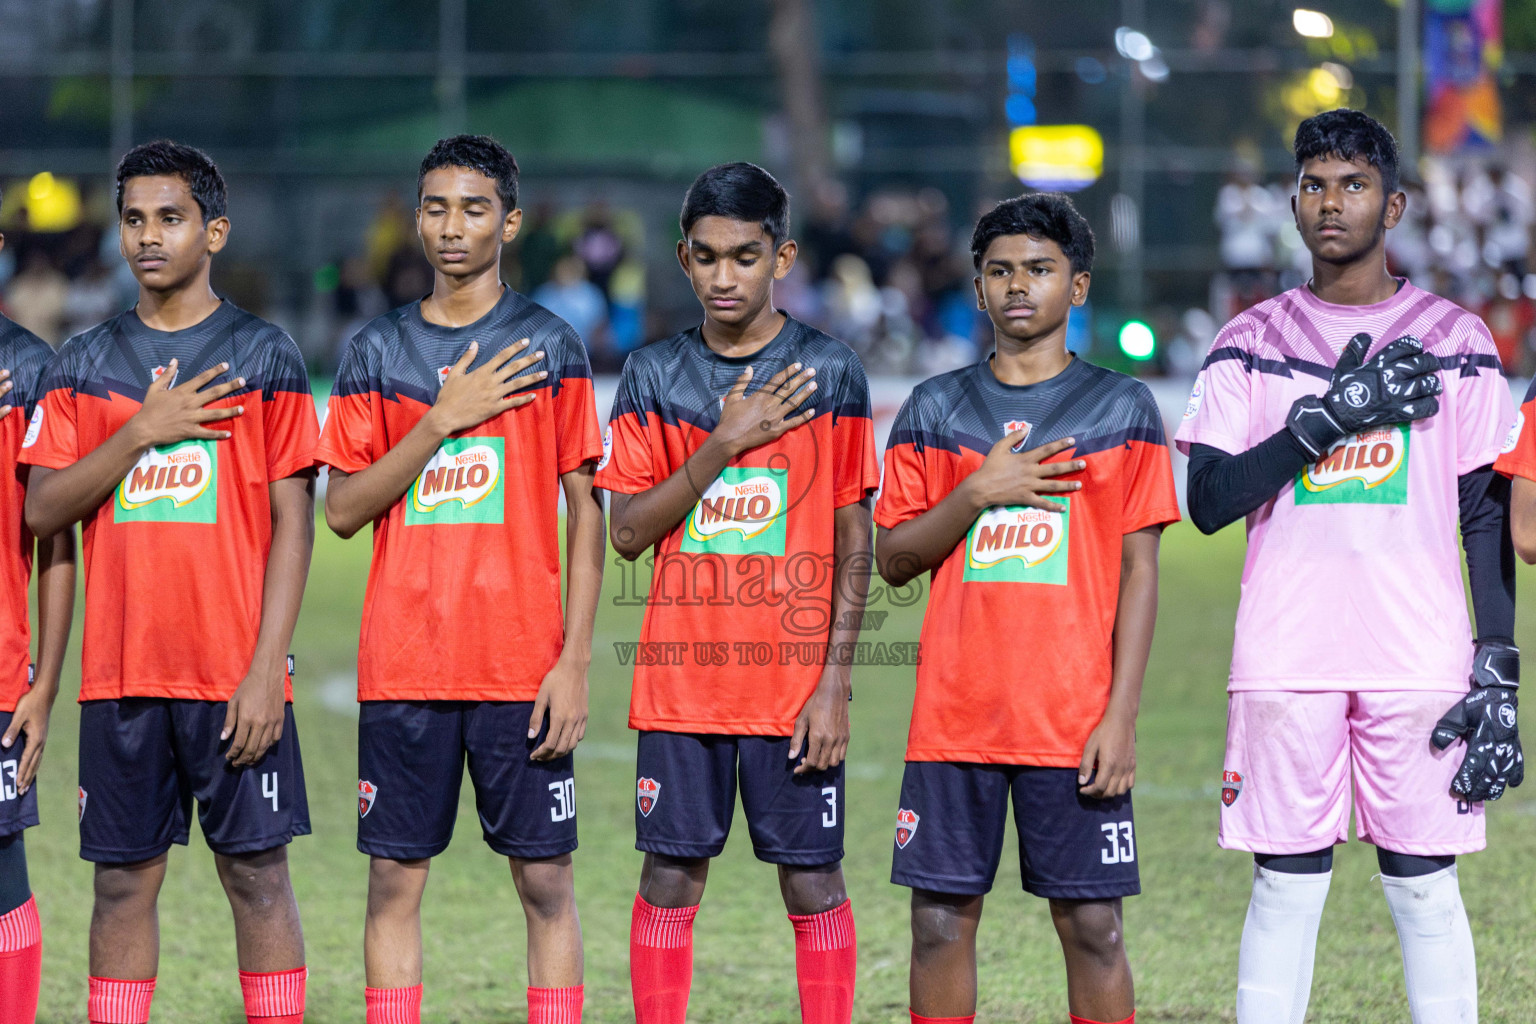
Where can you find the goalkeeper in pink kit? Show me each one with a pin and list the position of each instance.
(1355, 422)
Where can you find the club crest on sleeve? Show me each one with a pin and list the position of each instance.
(1196, 397)
(647, 792)
(607, 447)
(906, 827)
(366, 793)
(81, 812)
(1231, 787)
(34, 428)
(1513, 437)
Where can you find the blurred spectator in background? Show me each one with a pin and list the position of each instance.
(90, 298)
(576, 300)
(1248, 220)
(536, 249)
(37, 295)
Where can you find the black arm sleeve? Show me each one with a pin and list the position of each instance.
(1484, 498)
(1223, 488)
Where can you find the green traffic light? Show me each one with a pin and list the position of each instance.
(1137, 340)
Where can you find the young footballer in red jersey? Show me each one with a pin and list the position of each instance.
(1034, 487)
(743, 452)
(1354, 422)
(182, 434)
(455, 422)
(27, 689)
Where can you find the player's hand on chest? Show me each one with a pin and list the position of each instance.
(177, 407)
(508, 379)
(752, 416)
(1025, 478)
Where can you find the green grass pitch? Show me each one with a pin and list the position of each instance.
(1182, 933)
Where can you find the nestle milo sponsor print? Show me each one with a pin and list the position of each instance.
(462, 483)
(1019, 544)
(1368, 468)
(741, 513)
(175, 483)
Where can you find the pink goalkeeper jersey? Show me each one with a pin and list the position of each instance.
(1353, 574)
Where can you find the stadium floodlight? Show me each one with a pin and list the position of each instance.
(1134, 45)
(1312, 24)
(1056, 157)
(1137, 340)
(53, 203)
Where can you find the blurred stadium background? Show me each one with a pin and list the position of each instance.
(893, 124)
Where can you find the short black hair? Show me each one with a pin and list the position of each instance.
(1047, 215)
(193, 166)
(479, 153)
(1349, 135)
(738, 191)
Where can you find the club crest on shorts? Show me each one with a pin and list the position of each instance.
(1231, 786)
(366, 793)
(83, 795)
(906, 827)
(647, 792)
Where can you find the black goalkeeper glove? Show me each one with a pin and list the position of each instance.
(1485, 718)
(1397, 385)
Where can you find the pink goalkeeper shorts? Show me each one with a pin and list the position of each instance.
(1290, 758)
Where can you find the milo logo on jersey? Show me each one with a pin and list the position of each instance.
(742, 513)
(1018, 544)
(1368, 468)
(462, 483)
(175, 483)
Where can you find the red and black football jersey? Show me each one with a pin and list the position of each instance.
(463, 598)
(25, 355)
(176, 558)
(741, 590)
(1018, 637)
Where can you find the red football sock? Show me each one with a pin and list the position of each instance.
(393, 1005)
(21, 963)
(661, 962)
(1084, 1020)
(918, 1018)
(826, 961)
(113, 1001)
(554, 1005)
(274, 998)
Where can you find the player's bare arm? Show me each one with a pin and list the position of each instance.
(1005, 477)
(254, 719)
(1522, 518)
(467, 399)
(563, 694)
(57, 498)
(55, 609)
(822, 728)
(1111, 747)
(746, 421)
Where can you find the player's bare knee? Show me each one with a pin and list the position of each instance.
(812, 890)
(673, 881)
(395, 886)
(126, 886)
(256, 880)
(1090, 929)
(939, 922)
(547, 887)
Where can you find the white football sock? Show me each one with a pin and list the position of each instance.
(1438, 961)
(1274, 965)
